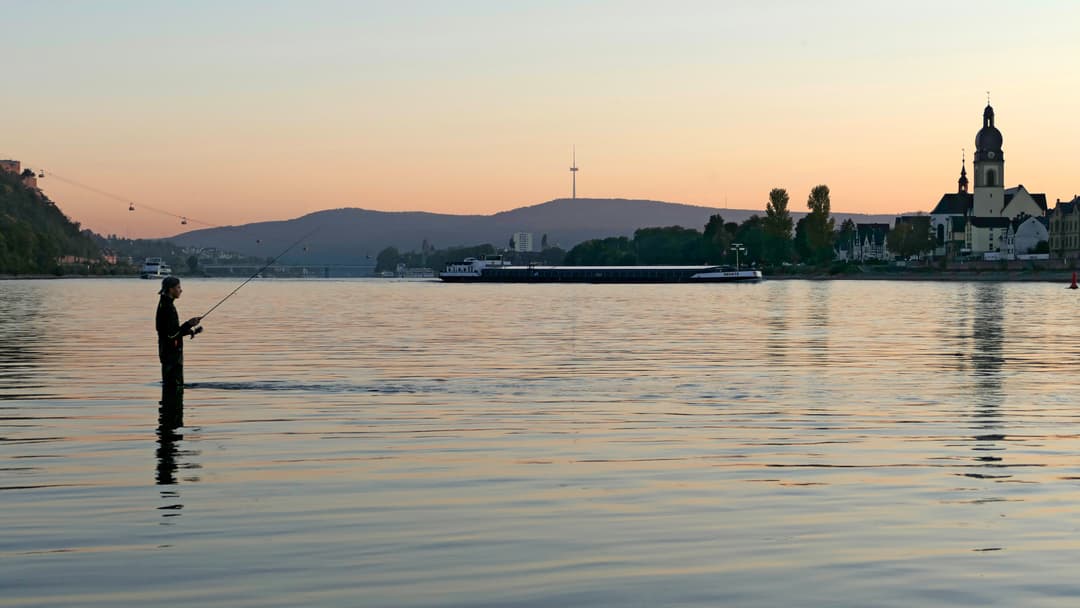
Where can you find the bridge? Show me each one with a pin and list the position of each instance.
(309, 271)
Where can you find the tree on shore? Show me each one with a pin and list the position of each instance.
(612, 251)
(818, 226)
(911, 236)
(847, 235)
(718, 239)
(670, 245)
(752, 235)
(387, 259)
(777, 226)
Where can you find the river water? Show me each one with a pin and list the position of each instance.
(397, 443)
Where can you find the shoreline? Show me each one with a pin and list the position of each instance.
(1063, 276)
(48, 277)
(940, 277)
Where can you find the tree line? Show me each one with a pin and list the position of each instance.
(770, 240)
(35, 234)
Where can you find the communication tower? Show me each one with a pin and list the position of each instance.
(573, 174)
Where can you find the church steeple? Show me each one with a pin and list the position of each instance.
(988, 140)
(962, 183)
(988, 169)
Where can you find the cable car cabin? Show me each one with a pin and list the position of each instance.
(183, 221)
(131, 206)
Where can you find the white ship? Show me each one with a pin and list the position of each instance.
(154, 268)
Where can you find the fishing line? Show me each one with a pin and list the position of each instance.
(259, 271)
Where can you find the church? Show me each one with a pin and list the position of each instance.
(993, 219)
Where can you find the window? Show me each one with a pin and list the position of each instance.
(941, 234)
(991, 177)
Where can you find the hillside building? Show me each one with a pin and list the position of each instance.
(29, 178)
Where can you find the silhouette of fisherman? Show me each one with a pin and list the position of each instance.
(171, 341)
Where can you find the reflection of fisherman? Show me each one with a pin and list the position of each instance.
(170, 419)
(171, 340)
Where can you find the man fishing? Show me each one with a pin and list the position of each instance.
(171, 340)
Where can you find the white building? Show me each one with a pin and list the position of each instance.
(1025, 233)
(523, 241)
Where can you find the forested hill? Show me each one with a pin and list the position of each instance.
(34, 233)
(346, 235)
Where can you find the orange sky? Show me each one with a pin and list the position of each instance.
(252, 111)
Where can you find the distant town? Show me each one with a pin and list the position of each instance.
(979, 225)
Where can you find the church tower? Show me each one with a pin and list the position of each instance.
(962, 183)
(989, 168)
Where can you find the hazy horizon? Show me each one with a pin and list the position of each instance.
(246, 112)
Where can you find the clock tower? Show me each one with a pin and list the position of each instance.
(989, 168)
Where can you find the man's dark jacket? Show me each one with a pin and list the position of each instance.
(170, 332)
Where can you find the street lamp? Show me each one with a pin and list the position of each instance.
(737, 247)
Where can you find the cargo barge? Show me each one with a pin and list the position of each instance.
(493, 269)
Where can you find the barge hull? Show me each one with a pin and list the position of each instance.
(592, 275)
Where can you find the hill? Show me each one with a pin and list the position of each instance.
(34, 233)
(346, 235)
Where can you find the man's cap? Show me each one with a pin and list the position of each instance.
(168, 283)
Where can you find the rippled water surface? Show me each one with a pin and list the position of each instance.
(385, 443)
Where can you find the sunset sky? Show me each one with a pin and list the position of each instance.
(234, 112)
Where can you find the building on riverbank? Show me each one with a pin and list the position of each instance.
(1065, 229)
(989, 219)
(869, 242)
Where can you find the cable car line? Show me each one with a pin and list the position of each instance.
(184, 220)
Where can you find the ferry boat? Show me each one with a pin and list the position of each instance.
(153, 268)
(494, 269)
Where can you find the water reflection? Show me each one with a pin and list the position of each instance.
(20, 339)
(988, 333)
(481, 461)
(170, 419)
(169, 439)
(777, 336)
(987, 359)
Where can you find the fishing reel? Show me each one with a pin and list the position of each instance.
(196, 331)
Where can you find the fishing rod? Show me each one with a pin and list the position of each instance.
(257, 273)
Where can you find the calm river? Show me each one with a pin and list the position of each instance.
(394, 443)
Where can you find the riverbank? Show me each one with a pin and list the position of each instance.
(1059, 276)
(41, 277)
(1050, 276)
